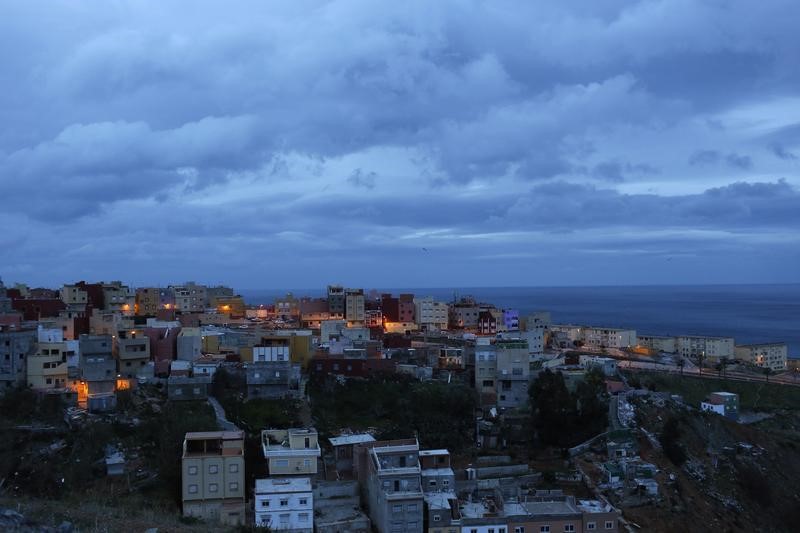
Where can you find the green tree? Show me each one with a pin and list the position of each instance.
(553, 409)
(670, 441)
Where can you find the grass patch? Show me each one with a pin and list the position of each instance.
(397, 406)
(752, 396)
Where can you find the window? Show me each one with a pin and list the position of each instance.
(213, 487)
(233, 485)
(569, 528)
(192, 470)
(411, 526)
(491, 530)
(303, 517)
(519, 529)
(307, 463)
(284, 517)
(591, 526)
(609, 525)
(285, 502)
(303, 501)
(282, 462)
(432, 483)
(544, 529)
(213, 469)
(192, 489)
(234, 468)
(397, 508)
(411, 508)
(264, 503)
(436, 518)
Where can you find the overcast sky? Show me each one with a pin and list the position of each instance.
(448, 143)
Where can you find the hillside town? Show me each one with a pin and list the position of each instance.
(363, 411)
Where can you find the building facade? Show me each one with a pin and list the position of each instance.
(771, 355)
(212, 476)
(284, 504)
(291, 452)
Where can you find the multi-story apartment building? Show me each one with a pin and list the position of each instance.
(486, 373)
(511, 319)
(16, 345)
(47, 367)
(98, 372)
(405, 308)
(230, 305)
(710, 349)
(291, 452)
(74, 296)
(658, 343)
(190, 297)
(119, 298)
(436, 474)
(771, 355)
(464, 314)
(149, 300)
(189, 344)
(393, 489)
(512, 372)
(354, 306)
(336, 301)
(285, 504)
(212, 476)
(133, 352)
(430, 314)
(608, 337)
(272, 348)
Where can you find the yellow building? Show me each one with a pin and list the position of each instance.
(291, 452)
(212, 476)
(770, 355)
(47, 368)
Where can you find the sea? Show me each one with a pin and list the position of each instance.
(748, 313)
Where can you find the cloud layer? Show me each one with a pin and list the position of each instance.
(295, 143)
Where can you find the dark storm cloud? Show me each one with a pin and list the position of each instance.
(362, 123)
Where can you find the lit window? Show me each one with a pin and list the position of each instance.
(192, 489)
(233, 486)
(233, 468)
(192, 470)
(213, 487)
(213, 469)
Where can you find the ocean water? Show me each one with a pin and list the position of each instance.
(749, 313)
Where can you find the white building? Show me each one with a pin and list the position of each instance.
(271, 353)
(771, 355)
(285, 504)
(609, 337)
(711, 349)
(430, 314)
(657, 343)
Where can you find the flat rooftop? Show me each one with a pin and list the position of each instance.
(552, 508)
(425, 453)
(594, 506)
(224, 435)
(351, 439)
(282, 485)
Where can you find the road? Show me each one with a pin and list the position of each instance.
(226, 424)
(780, 379)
